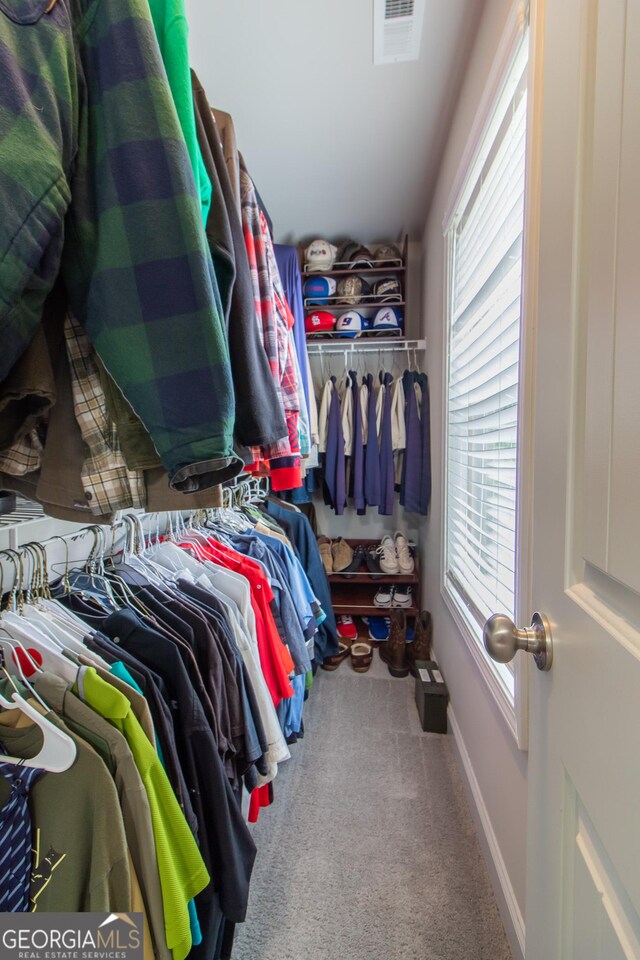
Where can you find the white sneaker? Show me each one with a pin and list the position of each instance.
(406, 563)
(388, 558)
(384, 597)
(402, 597)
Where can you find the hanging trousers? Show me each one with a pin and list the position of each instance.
(371, 458)
(387, 473)
(357, 459)
(334, 473)
(425, 446)
(411, 483)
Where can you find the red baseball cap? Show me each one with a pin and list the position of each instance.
(321, 321)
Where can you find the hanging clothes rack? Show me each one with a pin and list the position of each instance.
(326, 347)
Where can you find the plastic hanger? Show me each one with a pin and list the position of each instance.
(58, 751)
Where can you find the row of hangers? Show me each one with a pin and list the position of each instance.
(359, 361)
(35, 632)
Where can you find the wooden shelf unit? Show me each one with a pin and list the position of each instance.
(365, 272)
(353, 594)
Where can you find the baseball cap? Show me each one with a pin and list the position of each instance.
(321, 321)
(320, 255)
(388, 253)
(350, 324)
(355, 254)
(319, 289)
(353, 289)
(388, 290)
(387, 318)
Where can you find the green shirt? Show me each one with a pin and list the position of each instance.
(172, 30)
(80, 852)
(183, 873)
(110, 744)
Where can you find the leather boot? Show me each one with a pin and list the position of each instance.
(394, 650)
(420, 649)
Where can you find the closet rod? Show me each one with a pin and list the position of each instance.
(400, 346)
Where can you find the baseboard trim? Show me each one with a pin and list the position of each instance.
(509, 909)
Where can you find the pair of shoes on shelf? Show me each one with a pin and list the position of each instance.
(395, 555)
(360, 652)
(347, 629)
(336, 555)
(401, 656)
(379, 628)
(393, 596)
(357, 561)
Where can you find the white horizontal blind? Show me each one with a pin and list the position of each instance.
(483, 351)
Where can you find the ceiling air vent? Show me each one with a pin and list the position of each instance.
(397, 29)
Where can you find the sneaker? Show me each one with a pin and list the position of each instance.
(406, 563)
(356, 562)
(347, 628)
(342, 555)
(387, 553)
(402, 597)
(384, 597)
(372, 561)
(379, 628)
(324, 546)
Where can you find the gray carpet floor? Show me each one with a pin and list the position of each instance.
(369, 851)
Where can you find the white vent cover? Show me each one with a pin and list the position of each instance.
(397, 30)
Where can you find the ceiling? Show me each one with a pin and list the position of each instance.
(337, 147)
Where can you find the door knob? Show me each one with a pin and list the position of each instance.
(502, 639)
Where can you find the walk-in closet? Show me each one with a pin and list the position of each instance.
(319, 591)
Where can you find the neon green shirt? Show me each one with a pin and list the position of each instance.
(182, 870)
(172, 30)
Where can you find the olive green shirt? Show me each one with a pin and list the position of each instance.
(80, 849)
(111, 745)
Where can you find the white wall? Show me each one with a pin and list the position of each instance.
(499, 768)
(338, 147)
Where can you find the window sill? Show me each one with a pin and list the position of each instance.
(503, 698)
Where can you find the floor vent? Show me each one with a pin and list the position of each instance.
(397, 29)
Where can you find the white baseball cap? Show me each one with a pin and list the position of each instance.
(320, 255)
(387, 318)
(350, 324)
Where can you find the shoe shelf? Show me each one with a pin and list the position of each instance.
(358, 602)
(353, 594)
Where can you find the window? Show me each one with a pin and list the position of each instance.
(483, 346)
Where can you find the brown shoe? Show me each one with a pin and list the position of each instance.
(394, 650)
(324, 546)
(342, 555)
(420, 649)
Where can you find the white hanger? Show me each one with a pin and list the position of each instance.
(58, 751)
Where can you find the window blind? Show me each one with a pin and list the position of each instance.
(483, 352)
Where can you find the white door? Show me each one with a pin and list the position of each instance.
(583, 879)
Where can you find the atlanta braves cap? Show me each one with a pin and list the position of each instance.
(387, 318)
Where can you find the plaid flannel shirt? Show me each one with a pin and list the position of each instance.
(95, 180)
(24, 456)
(275, 320)
(108, 484)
